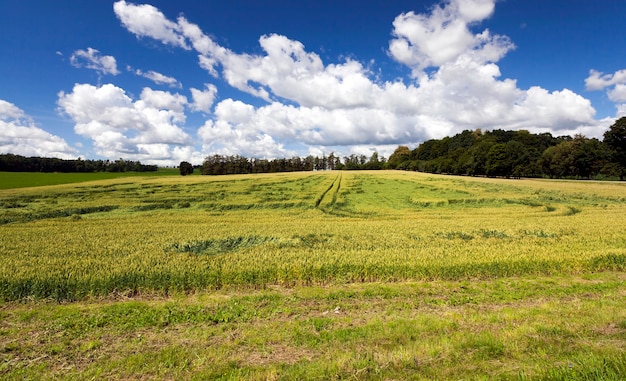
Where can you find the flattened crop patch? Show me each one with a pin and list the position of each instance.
(219, 246)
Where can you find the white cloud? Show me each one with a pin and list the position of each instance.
(311, 104)
(91, 59)
(164, 100)
(147, 21)
(443, 36)
(598, 80)
(147, 129)
(618, 94)
(223, 138)
(10, 111)
(18, 135)
(616, 85)
(241, 126)
(203, 99)
(159, 79)
(474, 10)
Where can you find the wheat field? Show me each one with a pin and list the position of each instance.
(184, 234)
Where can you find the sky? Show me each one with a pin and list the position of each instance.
(163, 82)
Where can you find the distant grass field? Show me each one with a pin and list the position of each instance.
(9, 180)
(325, 275)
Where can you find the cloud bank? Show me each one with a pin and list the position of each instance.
(310, 105)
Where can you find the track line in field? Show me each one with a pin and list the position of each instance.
(337, 182)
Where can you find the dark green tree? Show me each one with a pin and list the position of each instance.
(589, 156)
(615, 139)
(185, 168)
(558, 161)
(498, 161)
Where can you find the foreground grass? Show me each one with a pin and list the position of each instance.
(519, 328)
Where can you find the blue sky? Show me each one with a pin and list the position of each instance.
(165, 81)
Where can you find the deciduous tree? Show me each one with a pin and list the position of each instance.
(615, 139)
(185, 168)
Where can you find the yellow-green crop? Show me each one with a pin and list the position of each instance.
(186, 234)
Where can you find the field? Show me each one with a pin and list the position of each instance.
(324, 275)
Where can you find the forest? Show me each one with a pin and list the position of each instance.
(500, 153)
(508, 154)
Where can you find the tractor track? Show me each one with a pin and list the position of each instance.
(331, 192)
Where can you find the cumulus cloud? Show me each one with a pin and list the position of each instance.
(19, 135)
(91, 59)
(443, 35)
(614, 83)
(203, 99)
(618, 94)
(159, 79)
(163, 100)
(224, 138)
(312, 104)
(148, 129)
(147, 21)
(9, 111)
(598, 80)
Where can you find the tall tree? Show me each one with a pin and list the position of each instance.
(615, 139)
(401, 154)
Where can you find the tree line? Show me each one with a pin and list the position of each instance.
(236, 164)
(17, 163)
(496, 153)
